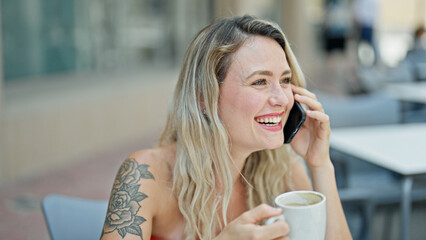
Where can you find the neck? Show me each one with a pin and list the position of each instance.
(239, 158)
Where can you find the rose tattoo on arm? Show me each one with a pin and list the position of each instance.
(125, 198)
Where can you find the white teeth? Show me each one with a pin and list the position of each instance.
(270, 120)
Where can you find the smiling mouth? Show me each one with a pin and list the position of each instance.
(269, 121)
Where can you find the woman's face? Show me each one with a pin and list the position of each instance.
(255, 96)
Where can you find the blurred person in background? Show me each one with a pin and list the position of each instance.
(365, 15)
(336, 25)
(221, 159)
(414, 65)
(335, 32)
(416, 56)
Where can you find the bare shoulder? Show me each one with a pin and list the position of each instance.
(136, 197)
(160, 160)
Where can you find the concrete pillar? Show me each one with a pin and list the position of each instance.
(2, 137)
(292, 16)
(224, 8)
(189, 17)
(299, 32)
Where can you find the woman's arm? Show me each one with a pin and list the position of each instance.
(130, 209)
(324, 181)
(313, 144)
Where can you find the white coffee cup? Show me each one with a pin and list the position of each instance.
(305, 213)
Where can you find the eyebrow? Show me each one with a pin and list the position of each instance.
(267, 73)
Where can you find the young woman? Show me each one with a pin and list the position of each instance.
(221, 159)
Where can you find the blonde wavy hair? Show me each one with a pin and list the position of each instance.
(202, 180)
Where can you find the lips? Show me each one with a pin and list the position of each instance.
(270, 120)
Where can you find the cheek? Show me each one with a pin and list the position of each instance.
(290, 97)
(238, 109)
(289, 94)
(291, 101)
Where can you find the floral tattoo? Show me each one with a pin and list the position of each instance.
(125, 197)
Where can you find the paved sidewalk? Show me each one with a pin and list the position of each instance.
(92, 177)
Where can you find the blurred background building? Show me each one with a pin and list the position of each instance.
(83, 80)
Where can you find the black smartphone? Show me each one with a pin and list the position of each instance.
(295, 120)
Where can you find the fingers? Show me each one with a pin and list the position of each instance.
(276, 230)
(323, 121)
(309, 99)
(283, 238)
(303, 91)
(260, 213)
(320, 116)
(312, 103)
(246, 226)
(304, 96)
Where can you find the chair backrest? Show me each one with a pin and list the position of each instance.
(73, 218)
(362, 110)
(352, 111)
(420, 71)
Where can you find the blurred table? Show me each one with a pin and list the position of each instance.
(408, 91)
(400, 148)
(412, 96)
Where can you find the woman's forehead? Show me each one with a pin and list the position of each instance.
(259, 54)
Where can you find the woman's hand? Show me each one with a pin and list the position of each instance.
(312, 143)
(313, 139)
(246, 227)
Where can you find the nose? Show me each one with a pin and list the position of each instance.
(278, 96)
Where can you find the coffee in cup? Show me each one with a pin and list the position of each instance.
(305, 213)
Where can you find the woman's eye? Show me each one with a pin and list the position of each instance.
(286, 80)
(259, 82)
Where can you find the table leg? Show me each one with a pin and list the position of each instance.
(407, 184)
